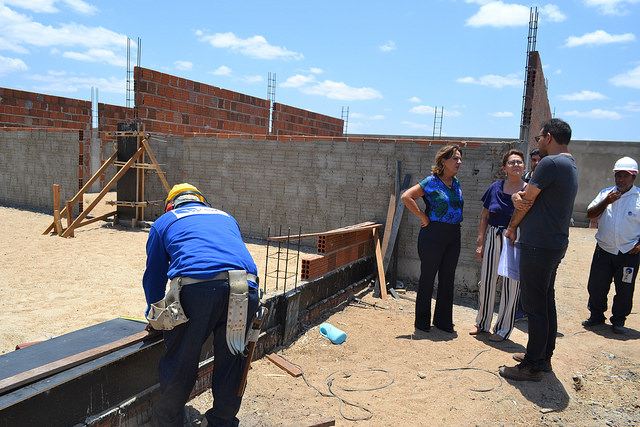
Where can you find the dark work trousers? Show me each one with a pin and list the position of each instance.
(205, 304)
(538, 268)
(439, 249)
(622, 269)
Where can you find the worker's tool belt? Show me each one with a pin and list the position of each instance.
(167, 313)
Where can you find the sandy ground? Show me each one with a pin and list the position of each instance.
(52, 286)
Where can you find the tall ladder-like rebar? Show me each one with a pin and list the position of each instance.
(525, 121)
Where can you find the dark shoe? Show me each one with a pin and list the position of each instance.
(521, 372)
(619, 329)
(592, 321)
(519, 357)
(418, 330)
(448, 329)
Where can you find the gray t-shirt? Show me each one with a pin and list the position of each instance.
(546, 225)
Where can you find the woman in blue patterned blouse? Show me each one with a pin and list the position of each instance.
(439, 238)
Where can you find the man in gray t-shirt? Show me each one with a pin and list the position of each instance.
(543, 212)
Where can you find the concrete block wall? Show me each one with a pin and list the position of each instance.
(296, 121)
(172, 105)
(325, 183)
(32, 160)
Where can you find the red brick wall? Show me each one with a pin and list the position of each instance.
(295, 121)
(27, 109)
(170, 104)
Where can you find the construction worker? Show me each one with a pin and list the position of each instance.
(213, 289)
(617, 252)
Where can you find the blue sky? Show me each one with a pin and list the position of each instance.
(390, 63)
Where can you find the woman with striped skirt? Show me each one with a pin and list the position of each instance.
(496, 214)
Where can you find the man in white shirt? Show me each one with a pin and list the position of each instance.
(618, 245)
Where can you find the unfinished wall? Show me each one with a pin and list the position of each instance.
(32, 160)
(326, 183)
(536, 109)
(296, 121)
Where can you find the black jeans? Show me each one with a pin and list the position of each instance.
(622, 269)
(205, 304)
(538, 267)
(439, 249)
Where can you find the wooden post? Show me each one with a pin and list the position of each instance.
(69, 206)
(57, 223)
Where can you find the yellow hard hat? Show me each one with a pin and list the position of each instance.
(179, 189)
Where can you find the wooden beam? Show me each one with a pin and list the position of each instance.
(32, 375)
(69, 207)
(349, 229)
(96, 219)
(397, 217)
(104, 191)
(56, 209)
(381, 278)
(146, 145)
(86, 186)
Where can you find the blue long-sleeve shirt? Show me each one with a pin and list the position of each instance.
(193, 241)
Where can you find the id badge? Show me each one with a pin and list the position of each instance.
(627, 274)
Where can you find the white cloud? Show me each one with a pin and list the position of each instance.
(297, 81)
(183, 65)
(422, 109)
(598, 38)
(414, 125)
(502, 114)
(552, 13)
(632, 107)
(254, 47)
(316, 70)
(97, 55)
(492, 80)
(611, 7)
(595, 114)
(11, 65)
(414, 99)
(251, 79)
(48, 6)
(55, 83)
(341, 91)
(223, 70)
(388, 46)
(19, 32)
(630, 79)
(365, 117)
(498, 14)
(585, 95)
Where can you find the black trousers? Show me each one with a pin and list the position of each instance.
(206, 305)
(623, 270)
(439, 249)
(538, 268)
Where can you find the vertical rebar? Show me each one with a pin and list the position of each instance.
(278, 263)
(298, 258)
(266, 262)
(286, 265)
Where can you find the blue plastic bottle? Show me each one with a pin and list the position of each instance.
(334, 334)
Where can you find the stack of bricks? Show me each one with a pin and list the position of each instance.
(336, 250)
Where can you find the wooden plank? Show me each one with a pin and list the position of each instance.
(322, 422)
(69, 207)
(291, 369)
(32, 375)
(96, 219)
(104, 191)
(396, 224)
(156, 165)
(86, 187)
(387, 232)
(383, 282)
(349, 229)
